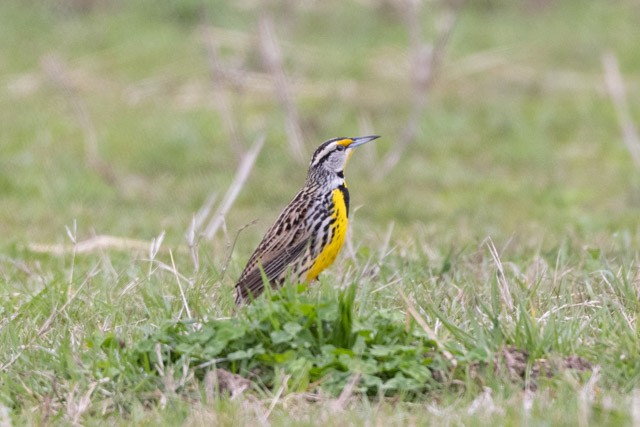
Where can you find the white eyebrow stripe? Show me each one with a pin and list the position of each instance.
(322, 154)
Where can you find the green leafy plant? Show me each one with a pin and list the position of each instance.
(316, 339)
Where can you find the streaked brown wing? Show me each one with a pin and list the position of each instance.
(281, 247)
(251, 285)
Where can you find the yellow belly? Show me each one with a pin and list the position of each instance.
(329, 253)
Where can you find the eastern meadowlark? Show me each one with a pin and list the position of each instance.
(310, 231)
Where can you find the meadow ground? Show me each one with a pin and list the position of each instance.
(508, 226)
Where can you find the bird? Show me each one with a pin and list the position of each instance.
(307, 236)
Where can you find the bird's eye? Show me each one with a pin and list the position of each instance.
(340, 148)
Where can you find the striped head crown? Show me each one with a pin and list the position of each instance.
(333, 155)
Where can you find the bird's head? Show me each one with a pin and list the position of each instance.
(332, 155)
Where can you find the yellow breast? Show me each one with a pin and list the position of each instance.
(337, 232)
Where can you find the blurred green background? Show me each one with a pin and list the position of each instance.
(125, 116)
(518, 136)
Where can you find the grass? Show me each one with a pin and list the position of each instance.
(511, 222)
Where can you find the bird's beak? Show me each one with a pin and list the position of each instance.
(355, 142)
